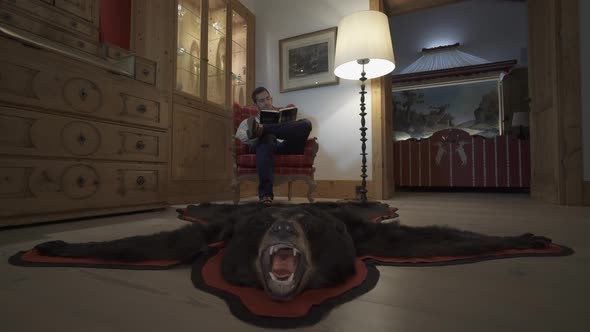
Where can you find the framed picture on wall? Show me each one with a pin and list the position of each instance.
(307, 61)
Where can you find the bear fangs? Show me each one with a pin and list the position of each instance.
(276, 247)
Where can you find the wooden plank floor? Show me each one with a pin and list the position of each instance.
(522, 294)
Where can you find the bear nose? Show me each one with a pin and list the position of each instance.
(282, 229)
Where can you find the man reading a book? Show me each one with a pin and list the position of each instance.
(268, 139)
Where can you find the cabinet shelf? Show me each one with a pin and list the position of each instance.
(237, 47)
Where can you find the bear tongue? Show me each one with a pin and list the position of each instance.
(283, 263)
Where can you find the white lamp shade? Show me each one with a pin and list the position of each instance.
(364, 35)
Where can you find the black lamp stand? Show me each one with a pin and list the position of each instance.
(363, 129)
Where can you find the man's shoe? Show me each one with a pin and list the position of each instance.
(254, 129)
(266, 200)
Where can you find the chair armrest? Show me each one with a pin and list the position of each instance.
(311, 147)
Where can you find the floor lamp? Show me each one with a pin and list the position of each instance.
(363, 51)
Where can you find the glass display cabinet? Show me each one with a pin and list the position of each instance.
(239, 49)
(203, 70)
(188, 50)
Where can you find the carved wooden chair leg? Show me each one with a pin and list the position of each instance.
(235, 185)
(311, 184)
(290, 192)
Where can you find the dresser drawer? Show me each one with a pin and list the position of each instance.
(53, 16)
(28, 133)
(145, 70)
(140, 109)
(30, 187)
(85, 9)
(70, 87)
(11, 18)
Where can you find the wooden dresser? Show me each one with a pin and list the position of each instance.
(83, 128)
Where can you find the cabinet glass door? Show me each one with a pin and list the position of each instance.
(188, 50)
(217, 47)
(239, 59)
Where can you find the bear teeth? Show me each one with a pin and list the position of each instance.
(274, 278)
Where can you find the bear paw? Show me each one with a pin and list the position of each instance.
(51, 248)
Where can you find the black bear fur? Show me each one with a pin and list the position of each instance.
(327, 236)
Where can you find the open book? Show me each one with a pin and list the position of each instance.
(278, 116)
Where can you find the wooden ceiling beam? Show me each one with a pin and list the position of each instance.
(399, 7)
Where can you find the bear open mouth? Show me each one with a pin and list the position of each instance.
(283, 266)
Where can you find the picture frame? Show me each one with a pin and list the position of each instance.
(307, 61)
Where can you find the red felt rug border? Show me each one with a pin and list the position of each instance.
(552, 250)
(252, 305)
(34, 259)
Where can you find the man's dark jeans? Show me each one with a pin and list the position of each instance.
(294, 135)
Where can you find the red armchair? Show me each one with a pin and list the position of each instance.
(287, 168)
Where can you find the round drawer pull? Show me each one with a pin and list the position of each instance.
(81, 181)
(81, 44)
(74, 24)
(140, 180)
(145, 72)
(83, 94)
(141, 108)
(81, 139)
(140, 145)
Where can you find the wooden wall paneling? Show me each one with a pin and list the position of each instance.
(570, 100)
(382, 130)
(554, 85)
(399, 7)
(543, 32)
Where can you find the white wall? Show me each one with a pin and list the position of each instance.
(333, 110)
(495, 30)
(584, 56)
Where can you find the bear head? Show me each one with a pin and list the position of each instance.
(286, 251)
